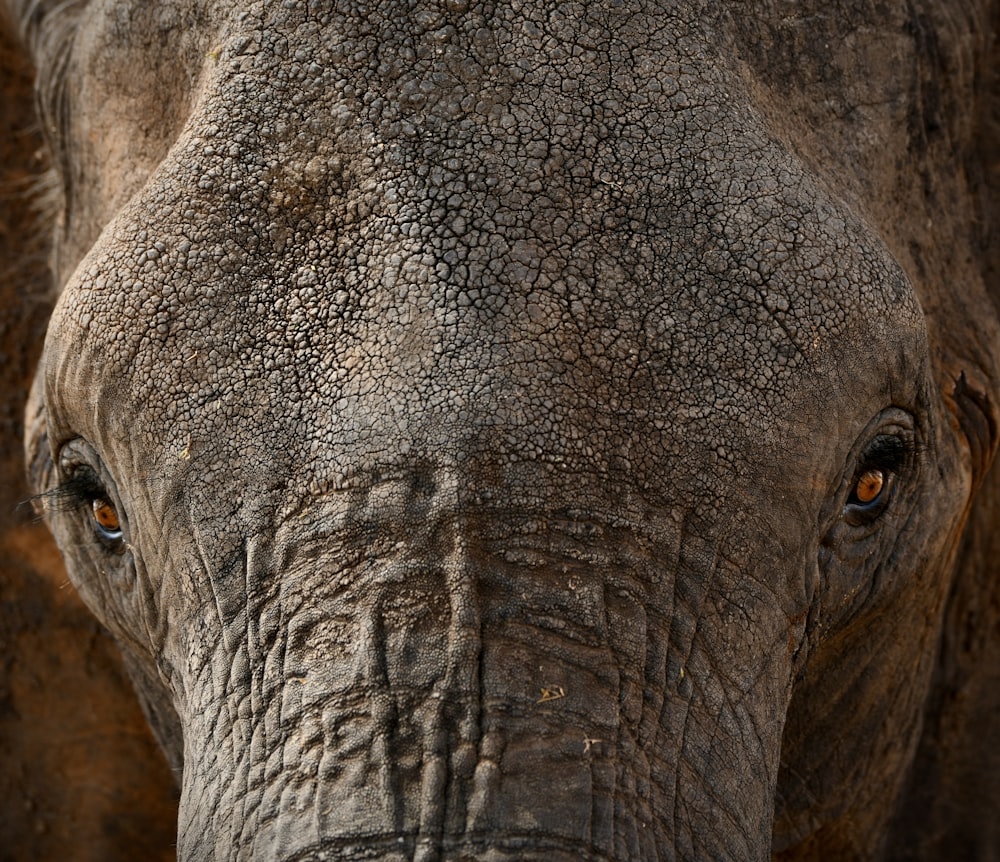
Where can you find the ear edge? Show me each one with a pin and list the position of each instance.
(978, 420)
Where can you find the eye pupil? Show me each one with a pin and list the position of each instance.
(869, 486)
(106, 516)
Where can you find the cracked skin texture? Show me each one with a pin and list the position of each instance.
(436, 355)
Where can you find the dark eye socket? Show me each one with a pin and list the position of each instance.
(83, 490)
(878, 466)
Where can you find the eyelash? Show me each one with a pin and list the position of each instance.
(81, 488)
(887, 452)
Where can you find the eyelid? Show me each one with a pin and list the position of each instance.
(886, 452)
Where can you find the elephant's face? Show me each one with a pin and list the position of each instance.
(484, 436)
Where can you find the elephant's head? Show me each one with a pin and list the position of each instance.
(509, 430)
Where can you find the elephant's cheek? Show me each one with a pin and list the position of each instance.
(436, 708)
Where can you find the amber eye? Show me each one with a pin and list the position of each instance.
(106, 517)
(869, 486)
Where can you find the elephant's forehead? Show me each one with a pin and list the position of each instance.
(549, 352)
(399, 258)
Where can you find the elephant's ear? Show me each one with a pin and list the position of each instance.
(972, 354)
(985, 155)
(951, 807)
(975, 406)
(40, 471)
(80, 774)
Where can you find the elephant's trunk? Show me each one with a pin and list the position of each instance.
(460, 689)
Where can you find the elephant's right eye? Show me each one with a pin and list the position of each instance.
(84, 491)
(106, 519)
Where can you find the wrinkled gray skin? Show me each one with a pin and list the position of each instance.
(483, 388)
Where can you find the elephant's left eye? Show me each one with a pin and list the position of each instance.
(868, 487)
(872, 489)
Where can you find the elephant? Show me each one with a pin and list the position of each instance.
(529, 431)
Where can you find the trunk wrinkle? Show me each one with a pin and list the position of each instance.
(465, 648)
(690, 545)
(256, 558)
